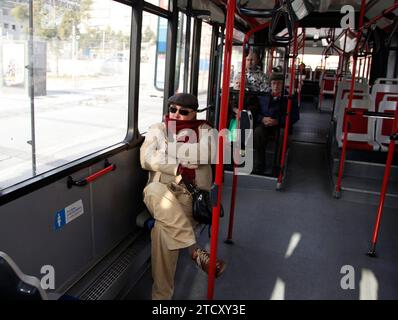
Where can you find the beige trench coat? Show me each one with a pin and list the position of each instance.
(167, 199)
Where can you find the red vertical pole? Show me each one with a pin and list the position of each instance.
(241, 102)
(337, 192)
(301, 68)
(289, 109)
(391, 148)
(220, 164)
(235, 176)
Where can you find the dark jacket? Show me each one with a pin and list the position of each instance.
(250, 103)
(276, 108)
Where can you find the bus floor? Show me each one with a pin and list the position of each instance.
(299, 243)
(313, 125)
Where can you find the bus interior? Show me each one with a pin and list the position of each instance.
(78, 96)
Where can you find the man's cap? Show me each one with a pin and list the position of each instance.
(275, 76)
(184, 100)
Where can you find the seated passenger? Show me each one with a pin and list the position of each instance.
(268, 119)
(256, 80)
(166, 196)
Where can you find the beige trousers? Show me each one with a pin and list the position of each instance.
(171, 206)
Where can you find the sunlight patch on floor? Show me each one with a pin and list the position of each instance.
(368, 285)
(294, 240)
(279, 290)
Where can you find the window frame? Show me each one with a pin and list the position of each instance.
(131, 140)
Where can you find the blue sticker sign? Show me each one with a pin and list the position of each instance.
(68, 214)
(59, 221)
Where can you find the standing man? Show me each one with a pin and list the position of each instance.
(256, 79)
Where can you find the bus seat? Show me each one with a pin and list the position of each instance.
(318, 73)
(143, 219)
(390, 81)
(342, 88)
(361, 130)
(328, 84)
(343, 102)
(15, 285)
(381, 88)
(384, 126)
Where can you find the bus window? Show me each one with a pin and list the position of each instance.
(160, 61)
(236, 62)
(80, 82)
(204, 64)
(150, 106)
(180, 56)
(185, 77)
(164, 4)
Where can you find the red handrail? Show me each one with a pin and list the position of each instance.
(100, 173)
(378, 17)
(82, 182)
(391, 148)
(240, 108)
(220, 161)
(301, 68)
(289, 109)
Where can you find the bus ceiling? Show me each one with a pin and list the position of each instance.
(310, 13)
(319, 14)
(203, 9)
(213, 11)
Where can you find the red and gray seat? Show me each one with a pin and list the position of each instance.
(343, 87)
(360, 129)
(366, 133)
(384, 126)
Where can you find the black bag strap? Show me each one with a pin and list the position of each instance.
(190, 187)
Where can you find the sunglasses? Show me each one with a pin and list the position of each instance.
(183, 112)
